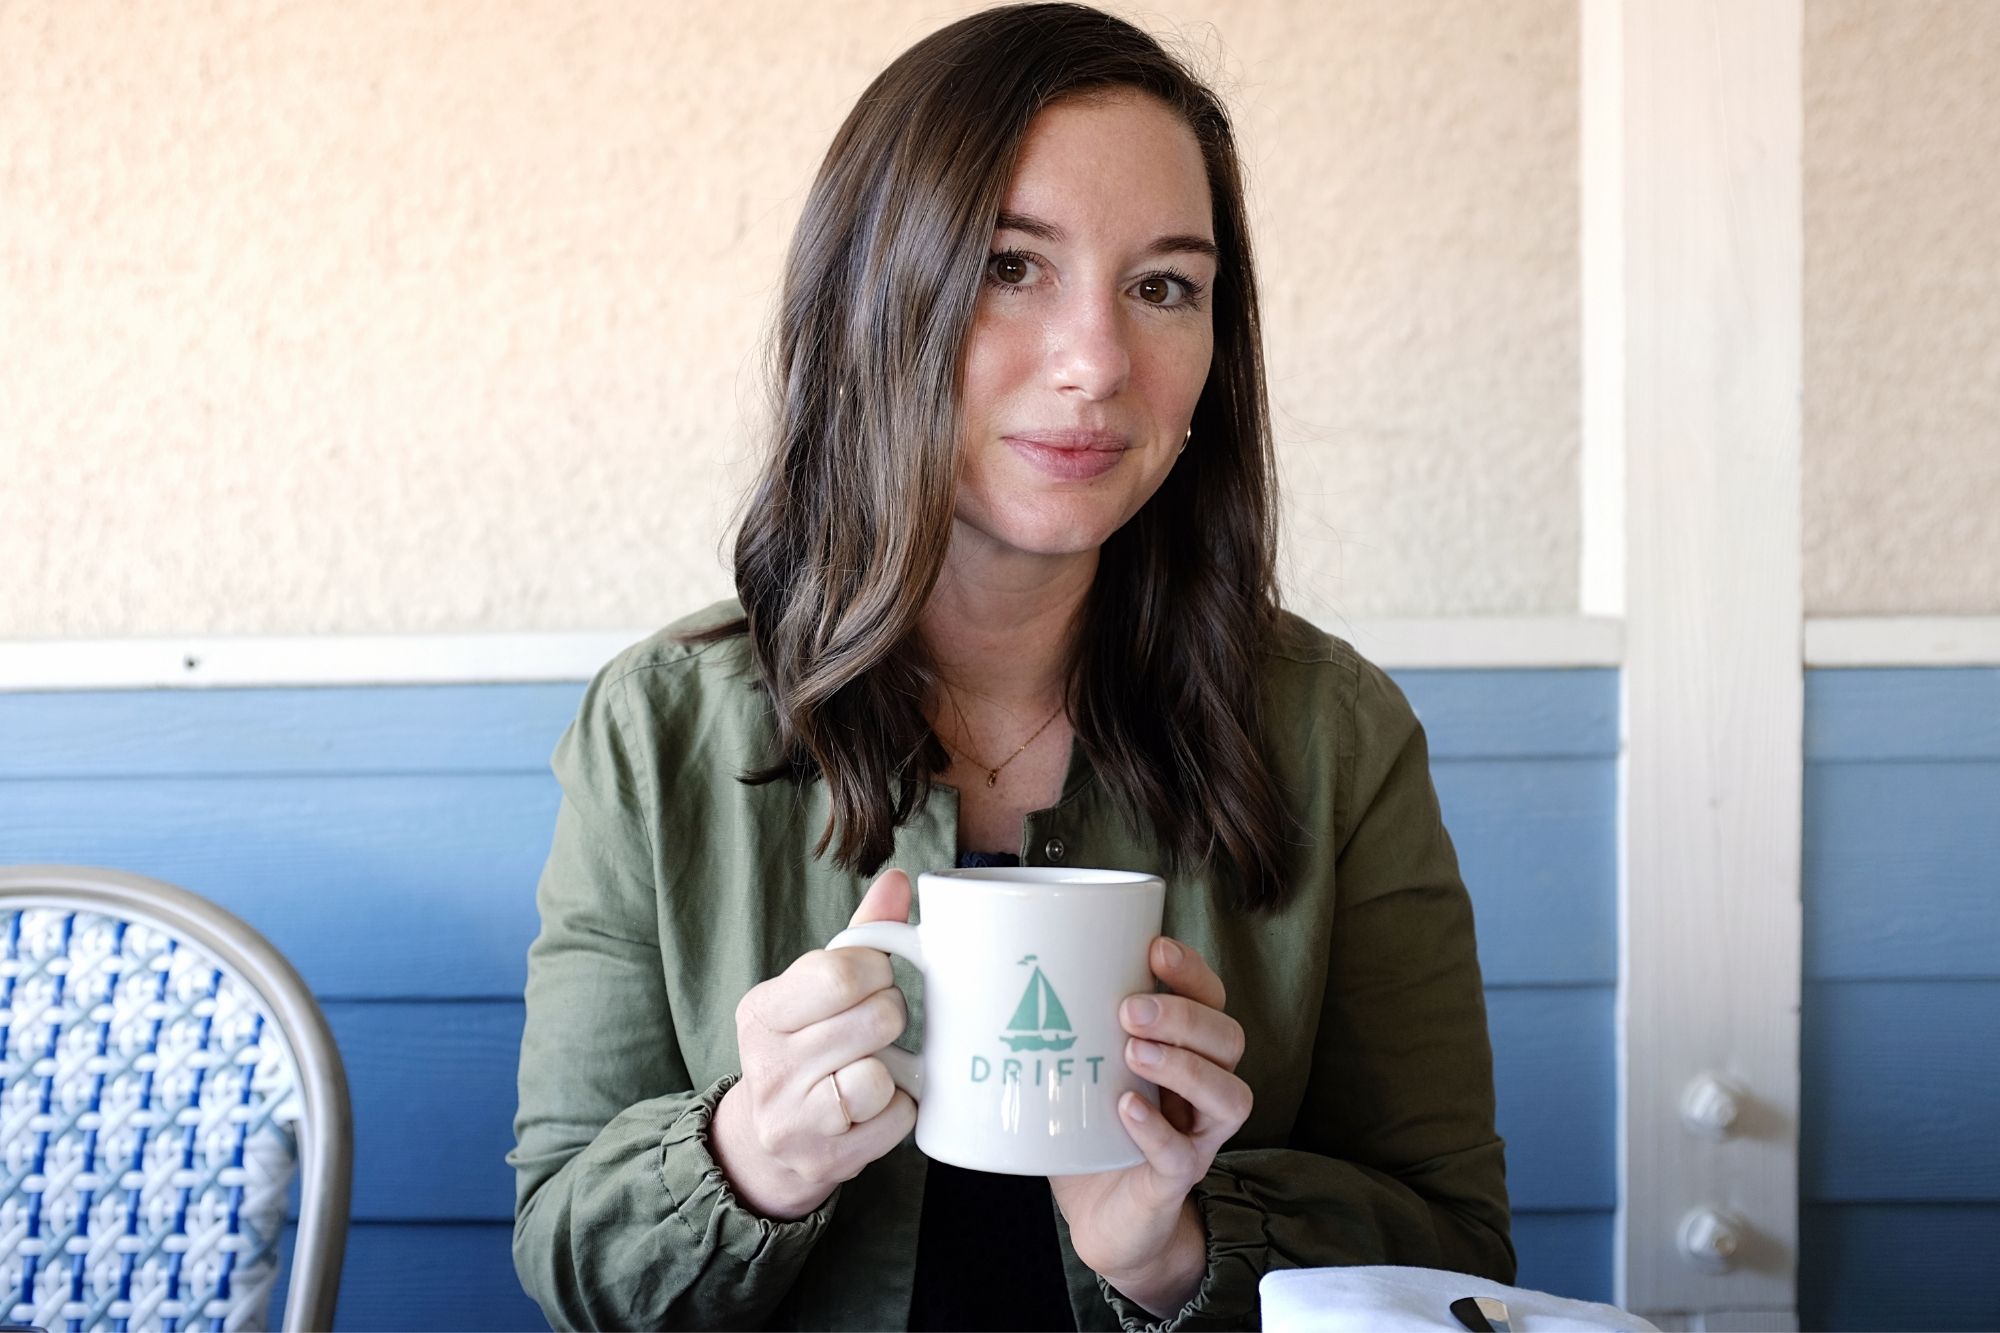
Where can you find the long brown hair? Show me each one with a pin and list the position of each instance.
(843, 538)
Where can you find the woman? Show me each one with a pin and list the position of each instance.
(1006, 592)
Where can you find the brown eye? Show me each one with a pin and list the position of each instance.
(1169, 289)
(1009, 270)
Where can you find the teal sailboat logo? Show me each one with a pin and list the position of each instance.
(1039, 1022)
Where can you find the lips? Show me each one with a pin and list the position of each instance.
(1070, 455)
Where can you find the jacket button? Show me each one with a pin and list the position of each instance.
(1053, 849)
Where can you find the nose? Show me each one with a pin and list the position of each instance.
(1090, 352)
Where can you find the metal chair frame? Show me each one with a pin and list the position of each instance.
(326, 1130)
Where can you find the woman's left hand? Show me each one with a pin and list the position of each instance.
(1137, 1228)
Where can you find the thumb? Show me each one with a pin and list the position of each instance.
(887, 899)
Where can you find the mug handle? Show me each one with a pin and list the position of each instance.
(902, 940)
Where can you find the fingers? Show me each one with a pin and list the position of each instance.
(817, 986)
(875, 1136)
(865, 1089)
(1177, 1159)
(1178, 1021)
(887, 899)
(795, 1117)
(837, 1147)
(1221, 1101)
(1184, 1044)
(825, 982)
(1186, 972)
(818, 1105)
(851, 1035)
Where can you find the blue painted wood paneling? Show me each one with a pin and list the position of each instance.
(1537, 848)
(512, 728)
(303, 859)
(1515, 713)
(389, 841)
(453, 858)
(1566, 1253)
(1900, 1074)
(1873, 714)
(403, 1276)
(1902, 869)
(1877, 1266)
(1901, 1085)
(433, 1092)
(1556, 1089)
(433, 1089)
(221, 733)
(372, 885)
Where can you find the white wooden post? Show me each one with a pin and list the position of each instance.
(1704, 97)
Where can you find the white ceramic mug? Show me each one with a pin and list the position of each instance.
(1024, 970)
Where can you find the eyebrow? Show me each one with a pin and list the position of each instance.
(1172, 244)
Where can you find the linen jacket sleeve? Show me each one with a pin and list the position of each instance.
(1393, 1158)
(622, 1218)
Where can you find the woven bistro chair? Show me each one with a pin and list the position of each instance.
(163, 1072)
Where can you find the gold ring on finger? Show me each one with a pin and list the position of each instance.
(847, 1121)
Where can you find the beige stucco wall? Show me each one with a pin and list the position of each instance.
(1902, 306)
(379, 317)
(342, 317)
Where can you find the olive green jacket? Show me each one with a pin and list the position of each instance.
(672, 888)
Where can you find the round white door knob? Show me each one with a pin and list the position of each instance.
(1712, 1105)
(1711, 1239)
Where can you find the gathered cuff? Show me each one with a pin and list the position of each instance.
(1232, 1226)
(700, 1196)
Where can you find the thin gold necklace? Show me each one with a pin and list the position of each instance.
(993, 771)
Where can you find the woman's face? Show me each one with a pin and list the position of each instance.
(1093, 334)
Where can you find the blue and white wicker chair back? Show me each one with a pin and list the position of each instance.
(163, 1073)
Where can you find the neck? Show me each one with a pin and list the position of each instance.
(1000, 627)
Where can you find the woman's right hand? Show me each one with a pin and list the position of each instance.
(779, 1134)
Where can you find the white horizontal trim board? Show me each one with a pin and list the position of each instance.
(1407, 644)
(407, 659)
(1470, 642)
(318, 659)
(1890, 641)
